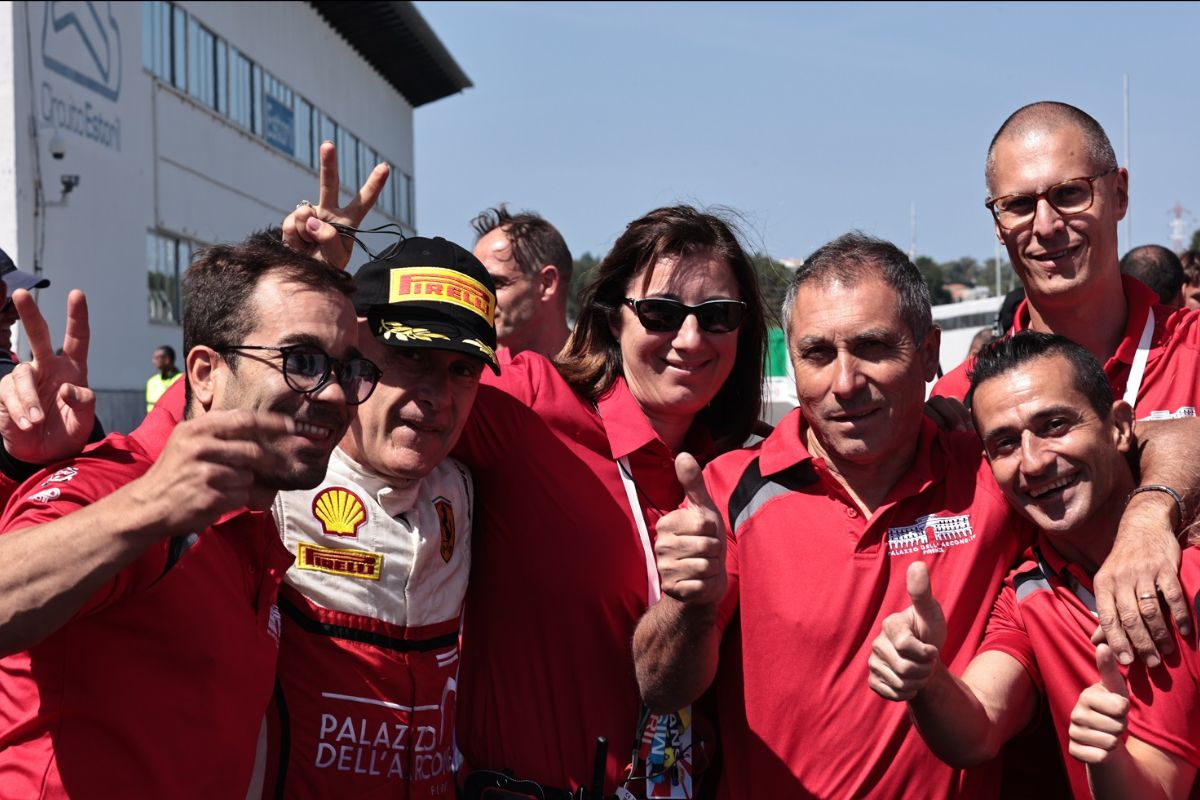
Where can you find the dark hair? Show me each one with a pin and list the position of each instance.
(1190, 262)
(1004, 355)
(220, 283)
(1158, 268)
(854, 256)
(167, 351)
(591, 360)
(1047, 115)
(534, 241)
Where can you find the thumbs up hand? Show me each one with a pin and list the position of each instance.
(905, 654)
(690, 542)
(1098, 721)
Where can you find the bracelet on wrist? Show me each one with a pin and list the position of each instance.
(1160, 487)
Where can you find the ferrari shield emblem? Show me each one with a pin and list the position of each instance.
(445, 514)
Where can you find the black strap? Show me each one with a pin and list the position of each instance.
(311, 625)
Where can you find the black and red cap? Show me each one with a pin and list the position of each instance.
(429, 293)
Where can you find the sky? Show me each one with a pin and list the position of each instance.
(807, 120)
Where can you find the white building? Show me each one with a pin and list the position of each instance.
(133, 132)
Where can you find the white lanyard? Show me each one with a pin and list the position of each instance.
(626, 472)
(1138, 368)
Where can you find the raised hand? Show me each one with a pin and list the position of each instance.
(690, 542)
(307, 229)
(1098, 721)
(905, 654)
(46, 408)
(210, 466)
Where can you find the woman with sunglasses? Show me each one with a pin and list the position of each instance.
(573, 464)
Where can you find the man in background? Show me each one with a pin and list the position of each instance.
(531, 266)
(1158, 268)
(165, 374)
(1190, 261)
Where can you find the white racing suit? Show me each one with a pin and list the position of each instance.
(364, 705)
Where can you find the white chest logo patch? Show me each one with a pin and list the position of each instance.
(930, 534)
(62, 476)
(45, 495)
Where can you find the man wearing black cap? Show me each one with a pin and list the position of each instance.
(12, 279)
(369, 658)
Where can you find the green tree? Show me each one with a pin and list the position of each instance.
(773, 281)
(1195, 240)
(935, 279)
(581, 276)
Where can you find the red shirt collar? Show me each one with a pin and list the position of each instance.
(625, 423)
(1139, 299)
(152, 434)
(785, 448)
(1061, 567)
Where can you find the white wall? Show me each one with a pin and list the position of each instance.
(176, 166)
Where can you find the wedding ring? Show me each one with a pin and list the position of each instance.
(1147, 596)
(303, 203)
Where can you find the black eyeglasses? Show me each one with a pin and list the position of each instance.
(1074, 196)
(664, 315)
(307, 369)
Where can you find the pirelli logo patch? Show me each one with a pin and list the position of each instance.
(337, 561)
(432, 284)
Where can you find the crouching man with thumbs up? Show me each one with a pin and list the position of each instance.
(1058, 447)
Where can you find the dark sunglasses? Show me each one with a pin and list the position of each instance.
(307, 369)
(664, 315)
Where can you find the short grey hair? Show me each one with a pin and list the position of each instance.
(855, 256)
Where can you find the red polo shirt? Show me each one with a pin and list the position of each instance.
(558, 574)
(1171, 385)
(810, 583)
(158, 685)
(1045, 617)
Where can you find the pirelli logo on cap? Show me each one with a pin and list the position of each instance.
(336, 561)
(434, 284)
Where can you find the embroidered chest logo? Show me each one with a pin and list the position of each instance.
(274, 623)
(45, 495)
(930, 534)
(335, 561)
(1184, 411)
(445, 515)
(340, 512)
(64, 475)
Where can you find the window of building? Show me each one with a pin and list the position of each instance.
(347, 157)
(178, 48)
(240, 88)
(167, 258)
(180, 51)
(202, 63)
(306, 149)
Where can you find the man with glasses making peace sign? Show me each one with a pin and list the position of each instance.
(140, 629)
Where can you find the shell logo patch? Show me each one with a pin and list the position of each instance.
(445, 515)
(359, 564)
(340, 511)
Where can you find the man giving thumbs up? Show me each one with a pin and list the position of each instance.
(1121, 766)
(1056, 443)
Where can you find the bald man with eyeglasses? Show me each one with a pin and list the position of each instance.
(1056, 195)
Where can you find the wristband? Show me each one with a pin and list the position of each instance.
(1160, 487)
